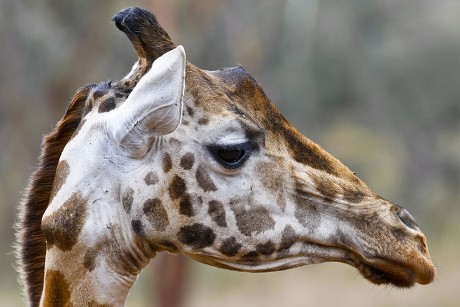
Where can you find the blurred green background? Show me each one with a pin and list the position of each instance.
(376, 83)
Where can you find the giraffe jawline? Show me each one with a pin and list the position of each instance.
(271, 266)
(283, 260)
(376, 270)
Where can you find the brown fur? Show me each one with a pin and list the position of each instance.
(127, 199)
(156, 214)
(197, 235)
(62, 171)
(230, 247)
(57, 296)
(64, 225)
(30, 241)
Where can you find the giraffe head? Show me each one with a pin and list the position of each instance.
(179, 159)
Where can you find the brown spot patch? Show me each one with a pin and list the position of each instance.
(156, 214)
(166, 163)
(186, 206)
(62, 171)
(80, 125)
(175, 144)
(88, 106)
(107, 105)
(270, 175)
(326, 186)
(89, 259)
(230, 247)
(288, 238)
(151, 178)
(196, 235)
(306, 212)
(57, 291)
(63, 226)
(186, 162)
(99, 92)
(306, 152)
(217, 212)
(127, 199)
(265, 248)
(251, 257)
(190, 111)
(136, 226)
(204, 180)
(177, 187)
(273, 178)
(354, 195)
(253, 221)
(203, 121)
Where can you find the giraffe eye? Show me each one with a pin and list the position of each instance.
(231, 156)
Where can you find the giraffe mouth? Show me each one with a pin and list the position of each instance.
(383, 271)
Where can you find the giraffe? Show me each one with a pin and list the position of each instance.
(179, 159)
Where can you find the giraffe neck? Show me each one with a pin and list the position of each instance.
(112, 290)
(90, 280)
(92, 259)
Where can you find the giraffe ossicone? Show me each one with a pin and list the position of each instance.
(175, 158)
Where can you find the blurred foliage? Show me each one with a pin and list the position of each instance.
(374, 82)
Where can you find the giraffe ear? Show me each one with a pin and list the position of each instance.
(154, 107)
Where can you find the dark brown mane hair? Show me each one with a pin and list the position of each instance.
(30, 242)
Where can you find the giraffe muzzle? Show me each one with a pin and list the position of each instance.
(403, 258)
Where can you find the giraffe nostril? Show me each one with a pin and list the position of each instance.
(407, 219)
(422, 247)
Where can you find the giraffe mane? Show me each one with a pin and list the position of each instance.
(30, 246)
